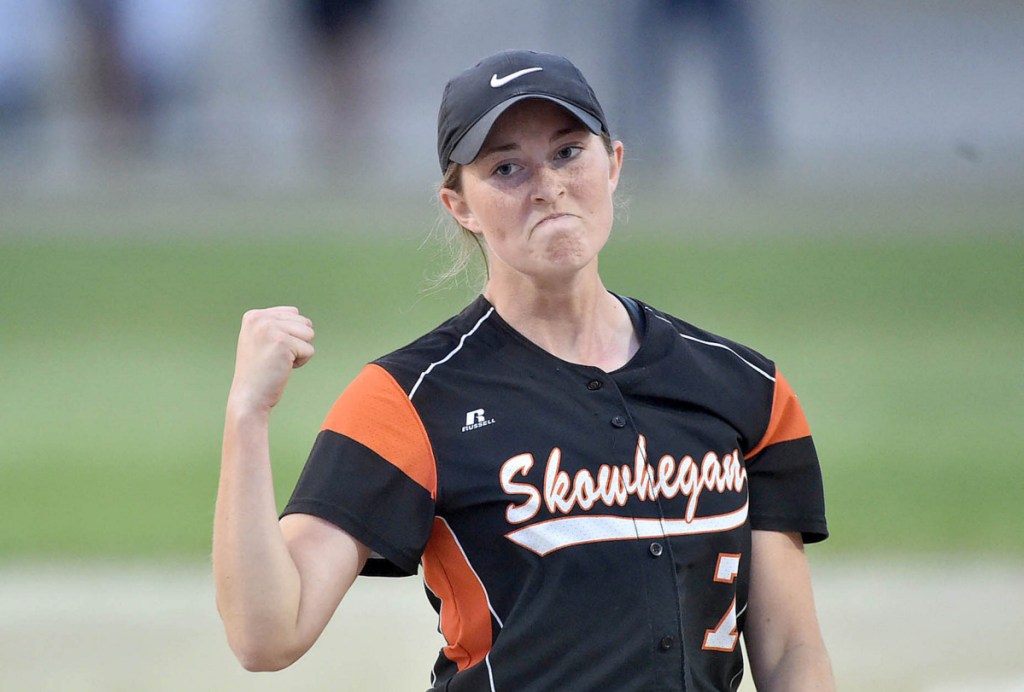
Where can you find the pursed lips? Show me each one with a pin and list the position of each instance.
(549, 218)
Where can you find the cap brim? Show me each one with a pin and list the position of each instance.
(469, 146)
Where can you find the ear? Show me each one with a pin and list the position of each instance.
(615, 164)
(456, 205)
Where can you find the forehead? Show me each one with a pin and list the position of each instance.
(532, 116)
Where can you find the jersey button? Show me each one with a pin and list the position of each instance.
(594, 385)
(666, 643)
(619, 422)
(656, 549)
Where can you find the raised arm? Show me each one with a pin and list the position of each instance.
(783, 638)
(277, 582)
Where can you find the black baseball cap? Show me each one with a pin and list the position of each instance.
(474, 99)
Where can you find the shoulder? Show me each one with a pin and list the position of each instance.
(451, 341)
(719, 353)
(708, 372)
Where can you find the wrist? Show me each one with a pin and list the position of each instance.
(241, 409)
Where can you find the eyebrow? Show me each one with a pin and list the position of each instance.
(513, 146)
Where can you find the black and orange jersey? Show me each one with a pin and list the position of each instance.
(576, 529)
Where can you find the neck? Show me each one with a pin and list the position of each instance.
(578, 321)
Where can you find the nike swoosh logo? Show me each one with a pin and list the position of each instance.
(497, 81)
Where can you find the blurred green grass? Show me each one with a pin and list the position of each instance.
(117, 355)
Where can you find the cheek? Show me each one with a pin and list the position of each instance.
(495, 210)
(594, 187)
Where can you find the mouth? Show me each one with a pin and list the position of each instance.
(550, 220)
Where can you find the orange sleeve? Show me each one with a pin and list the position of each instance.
(376, 412)
(787, 421)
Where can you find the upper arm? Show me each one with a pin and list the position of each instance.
(782, 634)
(328, 560)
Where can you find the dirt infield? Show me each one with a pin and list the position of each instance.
(936, 626)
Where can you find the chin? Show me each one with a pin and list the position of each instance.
(569, 252)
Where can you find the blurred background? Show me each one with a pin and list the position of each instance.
(836, 184)
(284, 95)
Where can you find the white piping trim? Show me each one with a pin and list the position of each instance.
(722, 346)
(479, 580)
(455, 350)
(736, 679)
(490, 671)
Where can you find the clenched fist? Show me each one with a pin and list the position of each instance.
(271, 343)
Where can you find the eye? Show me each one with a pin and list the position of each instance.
(568, 152)
(506, 169)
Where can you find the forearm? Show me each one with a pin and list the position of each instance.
(802, 668)
(257, 583)
(784, 643)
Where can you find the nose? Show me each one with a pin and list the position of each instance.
(547, 185)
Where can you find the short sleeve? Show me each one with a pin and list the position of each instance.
(784, 476)
(372, 473)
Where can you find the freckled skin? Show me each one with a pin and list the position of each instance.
(541, 194)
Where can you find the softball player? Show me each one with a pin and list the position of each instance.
(599, 495)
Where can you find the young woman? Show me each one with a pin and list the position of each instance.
(599, 495)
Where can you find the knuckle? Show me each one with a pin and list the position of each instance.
(252, 316)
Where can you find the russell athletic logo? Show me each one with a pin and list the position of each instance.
(476, 419)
